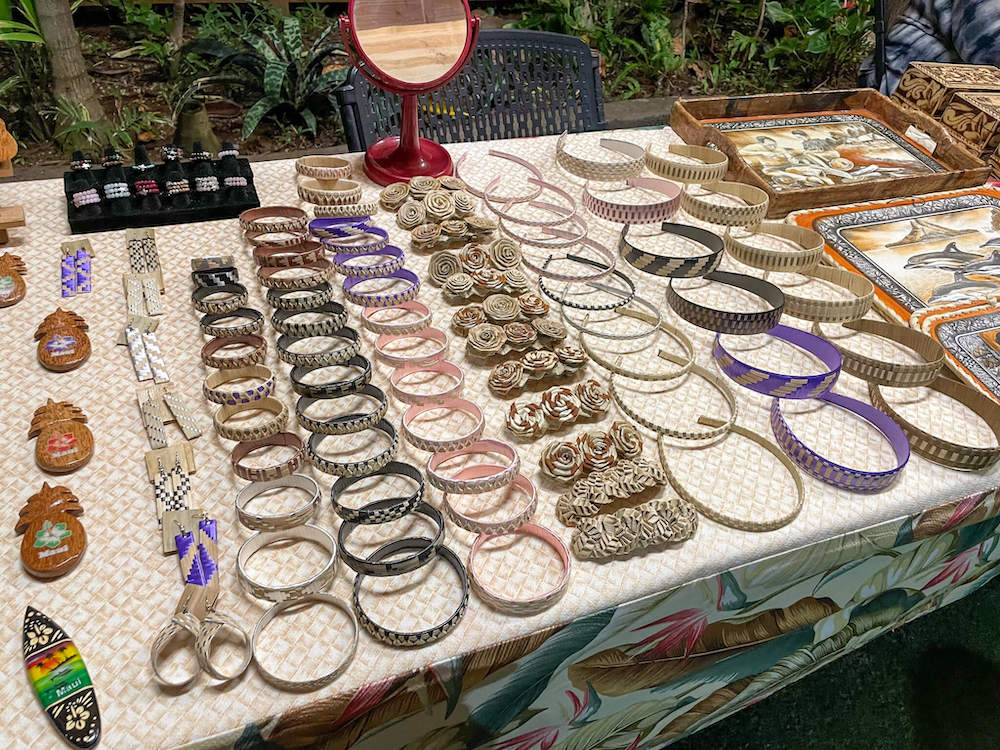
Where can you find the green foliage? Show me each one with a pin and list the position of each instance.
(728, 47)
(231, 24)
(75, 131)
(141, 21)
(274, 70)
(24, 31)
(312, 18)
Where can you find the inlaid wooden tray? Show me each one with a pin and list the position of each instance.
(919, 253)
(827, 148)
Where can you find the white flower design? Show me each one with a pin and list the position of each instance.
(76, 717)
(39, 635)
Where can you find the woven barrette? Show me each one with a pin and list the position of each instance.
(558, 407)
(589, 495)
(591, 451)
(629, 530)
(508, 378)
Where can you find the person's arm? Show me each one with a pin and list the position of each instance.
(975, 31)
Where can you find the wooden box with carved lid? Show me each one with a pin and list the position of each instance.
(929, 87)
(975, 119)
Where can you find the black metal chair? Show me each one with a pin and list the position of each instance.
(517, 84)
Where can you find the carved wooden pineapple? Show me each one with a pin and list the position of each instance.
(54, 540)
(62, 341)
(12, 286)
(64, 442)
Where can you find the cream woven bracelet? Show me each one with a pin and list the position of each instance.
(708, 208)
(712, 168)
(785, 261)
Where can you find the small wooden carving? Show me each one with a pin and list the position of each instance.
(62, 341)
(54, 540)
(64, 442)
(60, 680)
(10, 216)
(12, 286)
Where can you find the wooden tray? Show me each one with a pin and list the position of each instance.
(854, 146)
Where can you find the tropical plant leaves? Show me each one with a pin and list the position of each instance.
(309, 119)
(531, 677)
(274, 77)
(615, 672)
(291, 34)
(256, 113)
(274, 70)
(637, 718)
(919, 560)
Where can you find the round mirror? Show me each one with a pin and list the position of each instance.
(412, 41)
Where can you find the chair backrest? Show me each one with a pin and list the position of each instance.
(517, 84)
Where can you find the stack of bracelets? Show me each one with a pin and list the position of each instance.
(417, 351)
(325, 182)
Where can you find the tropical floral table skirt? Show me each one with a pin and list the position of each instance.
(645, 673)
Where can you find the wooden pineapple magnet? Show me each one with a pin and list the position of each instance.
(64, 442)
(54, 540)
(12, 286)
(60, 680)
(63, 344)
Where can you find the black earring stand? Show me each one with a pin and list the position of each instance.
(161, 208)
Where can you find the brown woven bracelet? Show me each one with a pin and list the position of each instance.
(256, 356)
(894, 374)
(256, 430)
(273, 471)
(274, 219)
(939, 450)
(307, 251)
(318, 272)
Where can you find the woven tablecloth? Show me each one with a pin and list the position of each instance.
(125, 589)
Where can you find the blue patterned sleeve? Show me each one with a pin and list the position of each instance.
(975, 30)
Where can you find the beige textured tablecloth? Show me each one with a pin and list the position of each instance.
(124, 590)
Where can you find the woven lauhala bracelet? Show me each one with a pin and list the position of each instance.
(779, 385)
(854, 480)
(383, 299)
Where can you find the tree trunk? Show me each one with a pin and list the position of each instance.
(70, 78)
(176, 37)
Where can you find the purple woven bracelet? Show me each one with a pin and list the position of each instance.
(383, 299)
(854, 480)
(395, 261)
(341, 246)
(333, 226)
(776, 384)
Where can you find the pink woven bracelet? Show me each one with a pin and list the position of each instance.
(441, 367)
(448, 444)
(480, 484)
(521, 483)
(403, 324)
(535, 604)
(398, 359)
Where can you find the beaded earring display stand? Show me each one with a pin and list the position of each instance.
(147, 194)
